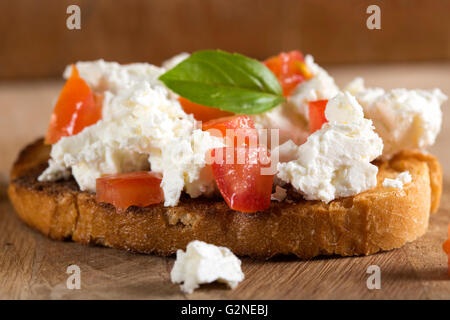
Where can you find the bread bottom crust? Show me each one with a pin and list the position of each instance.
(375, 220)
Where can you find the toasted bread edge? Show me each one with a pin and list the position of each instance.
(375, 220)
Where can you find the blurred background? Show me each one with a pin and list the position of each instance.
(412, 48)
(34, 40)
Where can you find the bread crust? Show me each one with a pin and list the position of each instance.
(375, 220)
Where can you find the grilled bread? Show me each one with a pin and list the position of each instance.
(378, 219)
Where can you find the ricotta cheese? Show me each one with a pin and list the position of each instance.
(205, 263)
(290, 124)
(141, 128)
(320, 86)
(291, 117)
(401, 179)
(172, 62)
(403, 118)
(287, 151)
(335, 160)
(113, 77)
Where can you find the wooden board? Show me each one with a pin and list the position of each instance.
(32, 266)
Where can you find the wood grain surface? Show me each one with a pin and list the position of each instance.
(32, 266)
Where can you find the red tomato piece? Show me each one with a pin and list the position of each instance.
(123, 190)
(240, 180)
(77, 107)
(290, 70)
(237, 167)
(201, 112)
(233, 122)
(243, 127)
(316, 113)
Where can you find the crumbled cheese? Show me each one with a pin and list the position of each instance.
(291, 117)
(205, 263)
(114, 77)
(401, 179)
(355, 86)
(279, 194)
(172, 62)
(320, 86)
(141, 127)
(335, 160)
(288, 151)
(403, 118)
(183, 164)
(57, 172)
(290, 124)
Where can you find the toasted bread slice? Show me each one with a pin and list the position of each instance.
(375, 220)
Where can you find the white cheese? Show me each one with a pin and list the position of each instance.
(290, 124)
(401, 179)
(335, 160)
(279, 194)
(141, 127)
(205, 263)
(291, 117)
(172, 62)
(183, 164)
(287, 151)
(403, 118)
(114, 77)
(55, 171)
(320, 86)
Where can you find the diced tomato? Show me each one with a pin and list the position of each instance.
(241, 127)
(316, 113)
(233, 122)
(130, 189)
(201, 112)
(77, 107)
(290, 69)
(237, 167)
(240, 180)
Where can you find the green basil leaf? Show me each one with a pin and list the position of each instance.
(230, 82)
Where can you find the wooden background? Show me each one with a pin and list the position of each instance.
(35, 46)
(34, 40)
